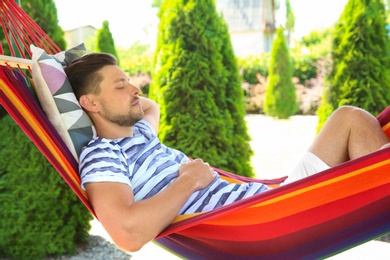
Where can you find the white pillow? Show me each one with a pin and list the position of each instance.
(57, 99)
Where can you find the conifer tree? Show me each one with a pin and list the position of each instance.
(196, 83)
(360, 74)
(105, 41)
(280, 97)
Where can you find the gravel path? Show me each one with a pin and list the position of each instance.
(98, 248)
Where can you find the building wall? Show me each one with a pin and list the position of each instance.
(251, 24)
(79, 35)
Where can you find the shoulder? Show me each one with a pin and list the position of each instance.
(103, 160)
(100, 152)
(97, 147)
(142, 127)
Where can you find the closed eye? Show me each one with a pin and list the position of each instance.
(121, 83)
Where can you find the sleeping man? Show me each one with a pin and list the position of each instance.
(137, 186)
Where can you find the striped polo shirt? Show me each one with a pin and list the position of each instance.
(148, 167)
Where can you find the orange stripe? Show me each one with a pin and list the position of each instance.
(386, 127)
(231, 180)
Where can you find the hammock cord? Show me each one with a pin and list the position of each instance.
(21, 31)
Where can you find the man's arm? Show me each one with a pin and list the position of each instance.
(132, 224)
(151, 112)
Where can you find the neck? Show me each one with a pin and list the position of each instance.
(112, 131)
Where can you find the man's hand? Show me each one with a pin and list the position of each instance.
(201, 173)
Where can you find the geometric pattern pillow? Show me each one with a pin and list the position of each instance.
(57, 99)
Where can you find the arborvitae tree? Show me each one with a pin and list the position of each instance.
(40, 215)
(196, 83)
(105, 41)
(360, 74)
(280, 97)
(44, 13)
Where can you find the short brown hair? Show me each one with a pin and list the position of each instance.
(83, 73)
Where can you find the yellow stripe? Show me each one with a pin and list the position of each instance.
(386, 127)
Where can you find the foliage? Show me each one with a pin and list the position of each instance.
(316, 37)
(39, 215)
(138, 65)
(196, 83)
(140, 69)
(280, 96)
(306, 56)
(137, 62)
(304, 66)
(360, 75)
(252, 65)
(105, 41)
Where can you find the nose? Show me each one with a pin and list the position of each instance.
(135, 91)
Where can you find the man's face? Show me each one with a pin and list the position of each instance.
(119, 101)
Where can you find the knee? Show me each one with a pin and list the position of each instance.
(352, 113)
(345, 111)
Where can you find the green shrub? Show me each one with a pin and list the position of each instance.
(252, 65)
(280, 96)
(316, 37)
(138, 65)
(304, 67)
(40, 215)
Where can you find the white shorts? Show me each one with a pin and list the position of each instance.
(309, 165)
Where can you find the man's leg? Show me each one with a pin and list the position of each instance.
(349, 133)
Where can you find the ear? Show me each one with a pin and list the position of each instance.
(88, 103)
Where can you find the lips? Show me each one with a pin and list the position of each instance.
(135, 102)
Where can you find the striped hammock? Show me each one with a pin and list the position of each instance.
(312, 218)
(315, 217)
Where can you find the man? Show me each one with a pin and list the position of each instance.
(137, 186)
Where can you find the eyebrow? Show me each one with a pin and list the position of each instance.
(122, 79)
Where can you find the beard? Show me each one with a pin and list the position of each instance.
(128, 119)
